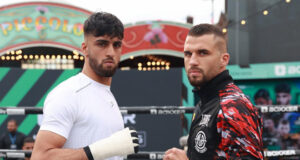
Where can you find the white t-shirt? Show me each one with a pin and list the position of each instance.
(83, 111)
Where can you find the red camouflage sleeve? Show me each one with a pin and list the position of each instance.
(240, 126)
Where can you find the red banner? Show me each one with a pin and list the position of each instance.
(154, 35)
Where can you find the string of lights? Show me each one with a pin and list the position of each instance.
(266, 11)
(154, 64)
(42, 61)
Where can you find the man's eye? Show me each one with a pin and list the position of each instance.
(202, 53)
(102, 44)
(117, 45)
(187, 54)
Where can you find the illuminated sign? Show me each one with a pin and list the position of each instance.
(41, 24)
(36, 24)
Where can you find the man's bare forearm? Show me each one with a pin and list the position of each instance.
(59, 153)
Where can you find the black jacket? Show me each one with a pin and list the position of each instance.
(5, 141)
(225, 124)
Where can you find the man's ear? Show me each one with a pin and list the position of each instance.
(225, 59)
(84, 48)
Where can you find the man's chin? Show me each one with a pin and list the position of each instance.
(196, 83)
(109, 72)
(109, 66)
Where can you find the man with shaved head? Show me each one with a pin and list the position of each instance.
(225, 123)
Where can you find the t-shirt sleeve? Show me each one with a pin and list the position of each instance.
(240, 127)
(59, 114)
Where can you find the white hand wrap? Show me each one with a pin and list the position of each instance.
(121, 143)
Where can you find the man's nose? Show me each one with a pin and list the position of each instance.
(194, 59)
(110, 51)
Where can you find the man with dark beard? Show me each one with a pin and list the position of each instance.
(225, 124)
(12, 139)
(82, 120)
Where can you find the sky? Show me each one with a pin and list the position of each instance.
(131, 11)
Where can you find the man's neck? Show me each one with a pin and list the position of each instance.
(13, 133)
(90, 73)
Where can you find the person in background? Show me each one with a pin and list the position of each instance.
(12, 139)
(284, 97)
(270, 134)
(285, 138)
(283, 94)
(28, 146)
(262, 97)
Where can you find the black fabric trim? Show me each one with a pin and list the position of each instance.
(88, 153)
(211, 89)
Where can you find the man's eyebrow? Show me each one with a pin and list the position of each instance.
(102, 40)
(119, 41)
(202, 50)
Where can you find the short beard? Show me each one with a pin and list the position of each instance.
(99, 69)
(198, 83)
(13, 132)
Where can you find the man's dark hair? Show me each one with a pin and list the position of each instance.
(262, 93)
(204, 29)
(13, 120)
(283, 87)
(102, 23)
(28, 140)
(284, 121)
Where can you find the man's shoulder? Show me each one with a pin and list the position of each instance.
(234, 98)
(4, 135)
(20, 134)
(69, 86)
(239, 108)
(236, 101)
(232, 93)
